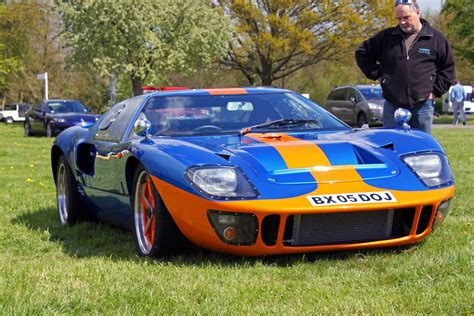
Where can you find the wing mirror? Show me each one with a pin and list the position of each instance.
(142, 126)
(402, 116)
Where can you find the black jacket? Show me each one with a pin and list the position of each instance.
(408, 79)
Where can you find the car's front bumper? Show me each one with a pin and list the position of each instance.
(293, 225)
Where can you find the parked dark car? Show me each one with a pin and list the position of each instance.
(53, 116)
(357, 104)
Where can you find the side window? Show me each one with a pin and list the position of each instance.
(340, 94)
(351, 96)
(43, 107)
(111, 116)
(332, 95)
(116, 120)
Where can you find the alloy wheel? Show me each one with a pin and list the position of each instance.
(62, 194)
(144, 213)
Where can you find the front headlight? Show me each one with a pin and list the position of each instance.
(221, 182)
(60, 120)
(374, 106)
(431, 168)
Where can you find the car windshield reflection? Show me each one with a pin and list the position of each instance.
(372, 93)
(224, 114)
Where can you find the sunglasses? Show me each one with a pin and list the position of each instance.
(407, 2)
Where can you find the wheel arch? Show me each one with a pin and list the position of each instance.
(364, 114)
(56, 153)
(130, 167)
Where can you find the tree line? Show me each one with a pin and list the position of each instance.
(303, 45)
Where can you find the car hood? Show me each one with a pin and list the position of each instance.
(285, 159)
(285, 165)
(75, 118)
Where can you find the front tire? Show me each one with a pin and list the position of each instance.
(67, 195)
(27, 128)
(362, 120)
(156, 234)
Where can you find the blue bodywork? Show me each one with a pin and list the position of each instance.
(104, 169)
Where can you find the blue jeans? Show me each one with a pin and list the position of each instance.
(421, 116)
(458, 107)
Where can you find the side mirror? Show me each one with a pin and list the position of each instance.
(401, 117)
(142, 126)
(353, 99)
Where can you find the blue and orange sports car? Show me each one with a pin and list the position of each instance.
(257, 171)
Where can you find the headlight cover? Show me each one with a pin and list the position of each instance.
(431, 168)
(374, 106)
(221, 182)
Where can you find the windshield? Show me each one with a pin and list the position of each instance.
(372, 93)
(216, 114)
(66, 107)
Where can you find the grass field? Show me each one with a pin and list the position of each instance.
(448, 119)
(92, 268)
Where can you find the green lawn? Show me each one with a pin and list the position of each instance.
(92, 268)
(448, 119)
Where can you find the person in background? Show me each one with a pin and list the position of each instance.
(457, 97)
(413, 63)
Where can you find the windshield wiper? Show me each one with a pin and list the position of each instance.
(277, 124)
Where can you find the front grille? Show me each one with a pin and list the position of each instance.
(347, 227)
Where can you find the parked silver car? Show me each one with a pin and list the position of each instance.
(357, 104)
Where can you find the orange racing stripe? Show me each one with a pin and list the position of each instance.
(297, 153)
(218, 91)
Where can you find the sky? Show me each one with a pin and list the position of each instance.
(433, 5)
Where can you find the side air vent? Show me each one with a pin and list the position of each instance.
(389, 146)
(85, 158)
(225, 156)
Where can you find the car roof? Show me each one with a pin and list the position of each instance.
(220, 91)
(15, 103)
(60, 100)
(359, 86)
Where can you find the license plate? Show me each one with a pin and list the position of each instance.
(352, 198)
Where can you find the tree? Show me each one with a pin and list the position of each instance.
(146, 39)
(28, 39)
(460, 13)
(275, 38)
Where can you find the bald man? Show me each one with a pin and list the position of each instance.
(413, 63)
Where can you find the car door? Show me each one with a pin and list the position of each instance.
(353, 103)
(37, 117)
(336, 105)
(107, 187)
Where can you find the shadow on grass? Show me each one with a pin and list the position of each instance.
(87, 239)
(90, 239)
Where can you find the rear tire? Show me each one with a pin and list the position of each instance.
(155, 232)
(67, 195)
(9, 120)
